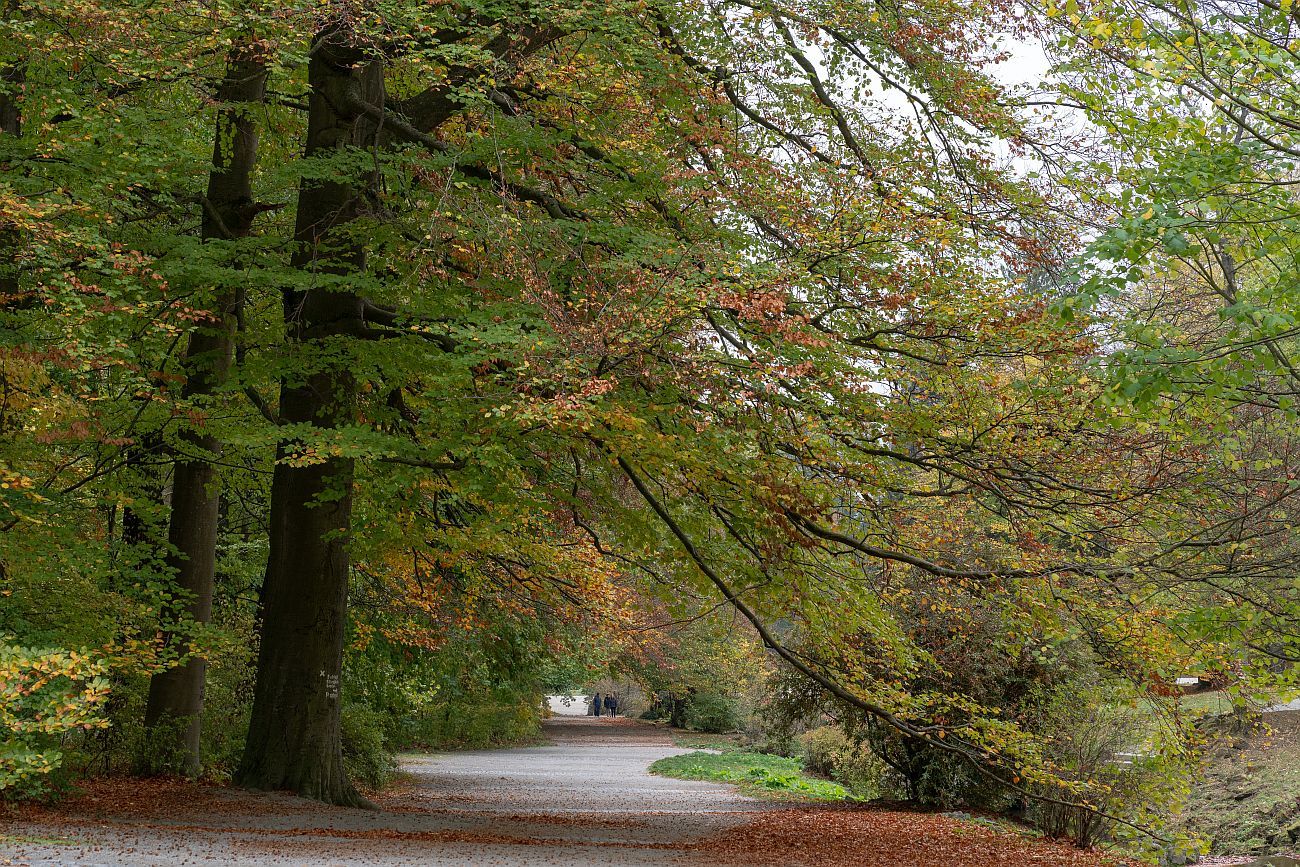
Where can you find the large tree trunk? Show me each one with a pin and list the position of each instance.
(12, 78)
(173, 714)
(293, 738)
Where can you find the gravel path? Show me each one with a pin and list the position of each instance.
(583, 799)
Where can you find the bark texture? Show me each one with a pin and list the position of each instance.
(293, 739)
(12, 78)
(174, 711)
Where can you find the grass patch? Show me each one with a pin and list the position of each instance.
(705, 741)
(756, 774)
(1206, 703)
(23, 839)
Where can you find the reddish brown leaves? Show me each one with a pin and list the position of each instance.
(831, 837)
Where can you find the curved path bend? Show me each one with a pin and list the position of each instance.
(584, 798)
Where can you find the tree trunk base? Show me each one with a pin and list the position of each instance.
(335, 789)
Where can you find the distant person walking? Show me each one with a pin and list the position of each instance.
(595, 705)
(611, 704)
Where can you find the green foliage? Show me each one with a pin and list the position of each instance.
(126, 746)
(471, 723)
(864, 775)
(713, 712)
(477, 690)
(1092, 735)
(365, 751)
(756, 774)
(45, 695)
(678, 312)
(828, 751)
(821, 748)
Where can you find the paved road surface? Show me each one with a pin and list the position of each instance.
(583, 799)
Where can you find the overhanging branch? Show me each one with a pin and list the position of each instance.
(979, 758)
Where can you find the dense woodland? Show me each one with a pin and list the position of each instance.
(917, 374)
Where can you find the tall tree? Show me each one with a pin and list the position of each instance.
(175, 702)
(293, 740)
(13, 73)
(1191, 272)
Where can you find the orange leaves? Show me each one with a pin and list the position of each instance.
(756, 305)
(44, 692)
(822, 837)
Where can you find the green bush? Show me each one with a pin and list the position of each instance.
(822, 748)
(832, 753)
(45, 695)
(1089, 737)
(127, 747)
(777, 742)
(712, 712)
(467, 723)
(365, 753)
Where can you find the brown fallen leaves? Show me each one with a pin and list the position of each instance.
(831, 837)
(154, 812)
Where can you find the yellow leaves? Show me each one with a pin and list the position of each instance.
(364, 634)
(42, 693)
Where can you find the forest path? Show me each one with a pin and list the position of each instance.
(582, 799)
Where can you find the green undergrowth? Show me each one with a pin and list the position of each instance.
(705, 741)
(1206, 703)
(756, 774)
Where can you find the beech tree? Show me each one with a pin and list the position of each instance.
(1192, 263)
(293, 736)
(176, 694)
(737, 297)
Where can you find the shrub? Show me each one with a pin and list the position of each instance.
(128, 747)
(365, 753)
(1091, 739)
(474, 723)
(929, 776)
(866, 776)
(712, 712)
(822, 748)
(832, 753)
(45, 695)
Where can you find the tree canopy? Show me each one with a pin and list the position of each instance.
(422, 346)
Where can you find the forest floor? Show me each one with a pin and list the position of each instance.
(582, 799)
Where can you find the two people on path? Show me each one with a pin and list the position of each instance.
(608, 703)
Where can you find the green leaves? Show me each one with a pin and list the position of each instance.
(44, 694)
